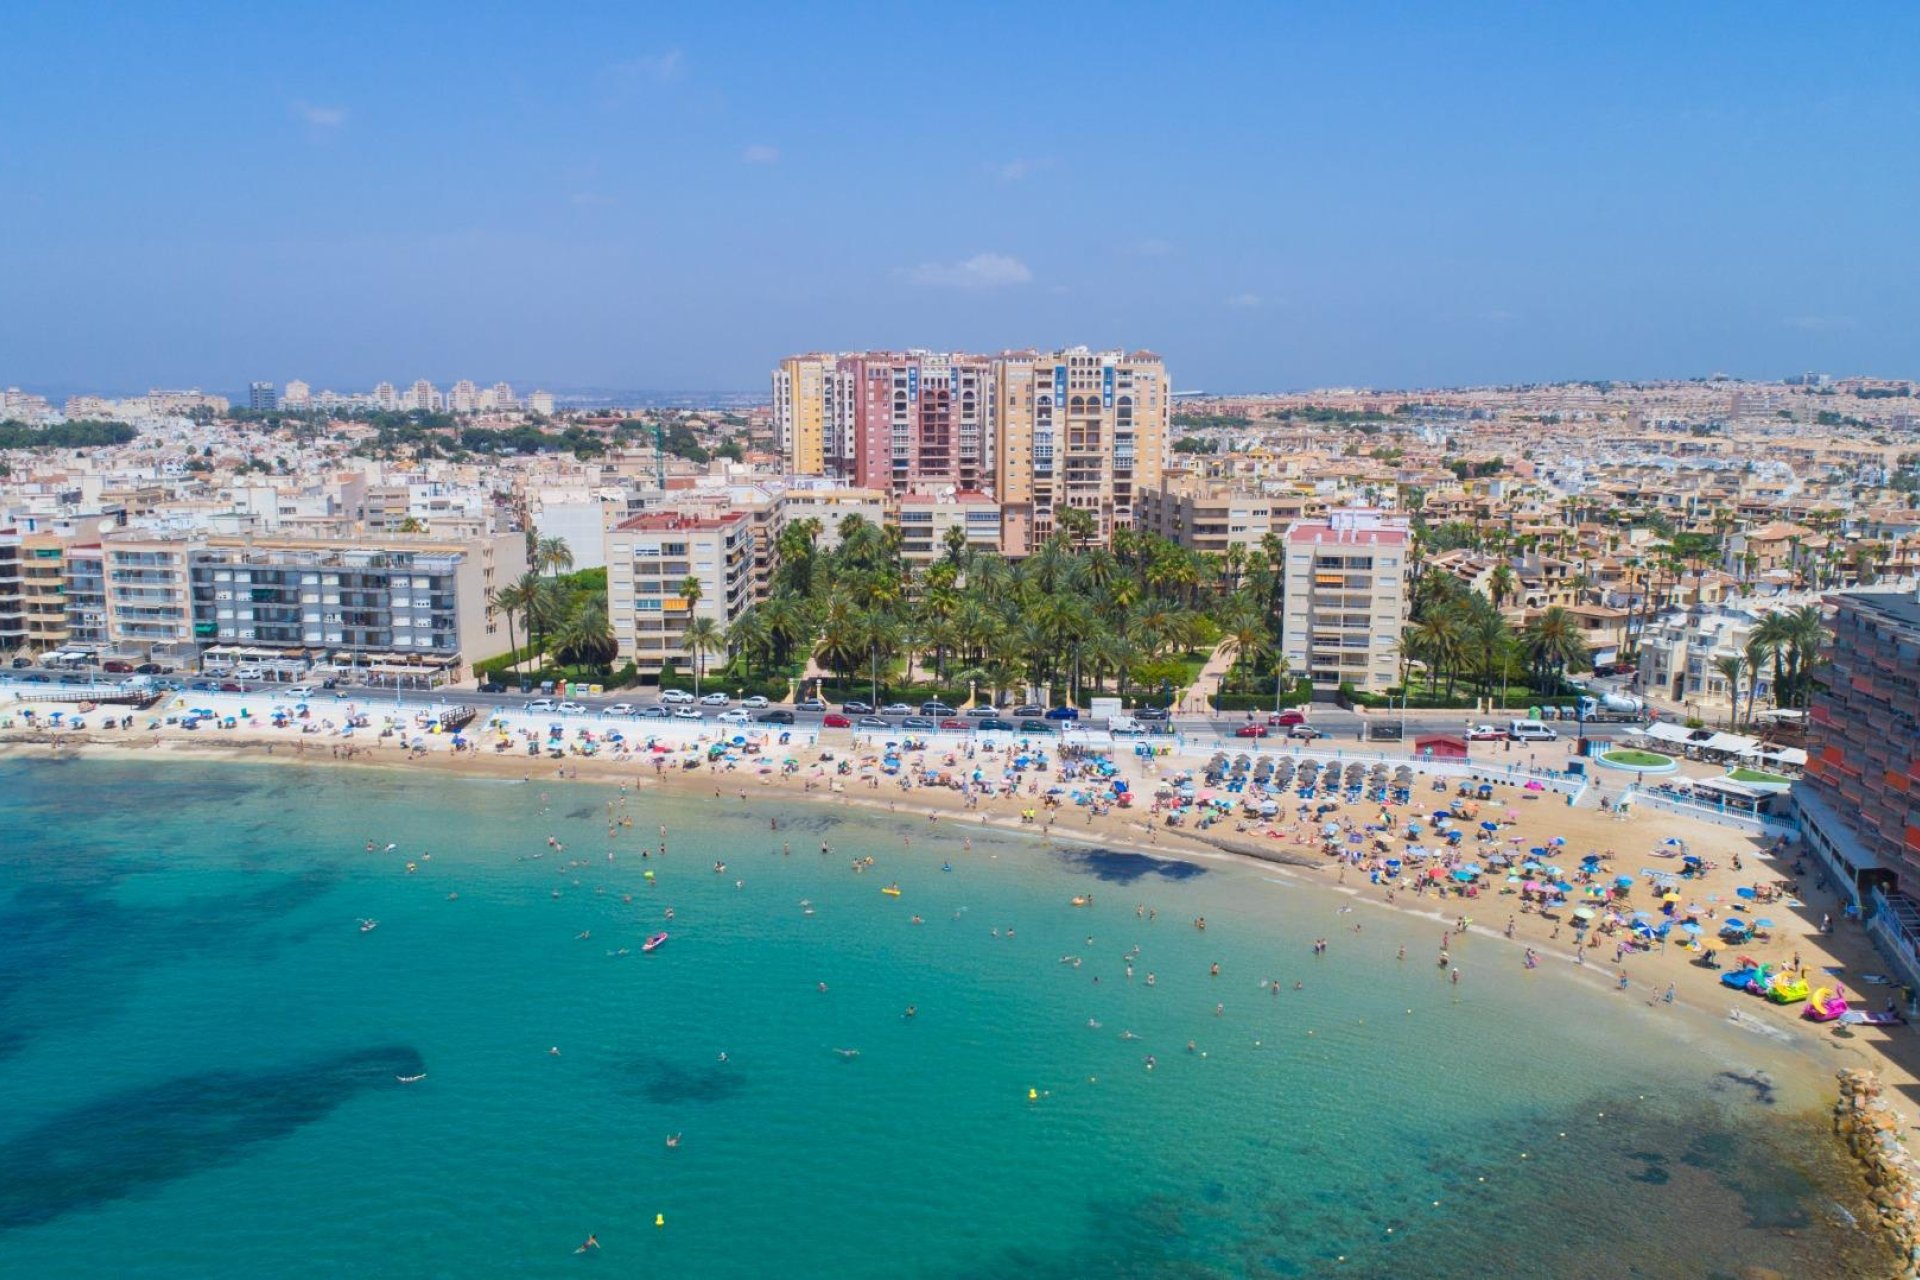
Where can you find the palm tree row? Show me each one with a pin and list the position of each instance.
(572, 623)
(1460, 634)
(1068, 617)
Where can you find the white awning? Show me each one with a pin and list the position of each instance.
(1733, 744)
(1662, 731)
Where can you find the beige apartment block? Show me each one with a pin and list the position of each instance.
(1205, 515)
(927, 521)
(1345, 599)
(650, 558)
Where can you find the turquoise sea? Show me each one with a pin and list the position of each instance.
(199, 1052)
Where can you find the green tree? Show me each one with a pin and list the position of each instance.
(702, 637)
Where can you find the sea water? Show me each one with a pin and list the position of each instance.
(201, 1049)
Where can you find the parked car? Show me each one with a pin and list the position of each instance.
(956, 725)
(896, 709)
(118, 668)
(226, 686)
(620, 709)
(543, 704)
(756, 703)
(151, 669)
(1035, 726)
(652, 713)
(736, 716)
(1485, 733)
(1064, 713)
(1029, 710)
(492, 686)
(250, 673)
(33, 677)
(686, 713)
(810, 704)
(1153, 715)
(675, 697)
(1304, 732)
(21, 662)
(775, 716)
(933, 708)
(854, 707)
(574, 708)
(834, 720)
(1251, 731)
(715, 699)
(301, 691)
(983, 713)
(918, 722)
(996, 725)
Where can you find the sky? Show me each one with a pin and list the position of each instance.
(1271, 195)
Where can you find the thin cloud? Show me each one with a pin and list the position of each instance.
(760, 153)
(619, 81)
(1020, 167)
(320, 118)
(1151, 247)
(981, 272)
(1244, 300)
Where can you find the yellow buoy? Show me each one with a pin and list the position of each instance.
(1032, 1094)
(659, 1219)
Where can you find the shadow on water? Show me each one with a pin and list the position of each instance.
(131, 1142)
(72, 952)
(1117, 867)
(668, 1083)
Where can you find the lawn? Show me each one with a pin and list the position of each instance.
(1636, 759)
(1759, 775)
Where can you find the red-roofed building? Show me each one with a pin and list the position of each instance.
(1345, 592)
(653, 560)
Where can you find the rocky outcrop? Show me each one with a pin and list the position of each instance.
(1871, 1129)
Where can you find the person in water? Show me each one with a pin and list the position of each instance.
(592, 1242)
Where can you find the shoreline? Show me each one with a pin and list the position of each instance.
(1799, 1049)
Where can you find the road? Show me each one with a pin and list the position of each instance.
(1338, 727)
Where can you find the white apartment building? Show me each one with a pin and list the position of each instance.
(1346, 599)
(649, 559)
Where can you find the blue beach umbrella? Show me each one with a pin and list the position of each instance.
(1763, 924)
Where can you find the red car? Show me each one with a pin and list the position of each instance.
(958, 726)
(1251, 731)
(834, 720)
(1286, 717)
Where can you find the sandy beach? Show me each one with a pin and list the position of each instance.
(840, 769)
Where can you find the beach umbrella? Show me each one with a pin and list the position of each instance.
(1562, 887)
(1744, 892)
(1691, 926)
(1464, 874)
(1625, 882)
(1763, 924)
(1489, 826)
(1583, 913)
(1590, 861)
(1532, 886)
(1557, 841)
(1669, 896)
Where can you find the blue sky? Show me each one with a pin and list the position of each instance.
(1271, 195)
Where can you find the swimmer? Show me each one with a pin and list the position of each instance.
(1150, 1062)
(911, 1011)
(591, 1243)
(723, 1055)
(848, 1053)
(673, 1140)
(1094, 1023)
(554, 1052)
(823, 988)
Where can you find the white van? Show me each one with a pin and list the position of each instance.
(1530, 731)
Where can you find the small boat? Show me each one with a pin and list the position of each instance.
(368, 926)
(1083, 900)
(654, 942)
(892, 891)
(411, 1079)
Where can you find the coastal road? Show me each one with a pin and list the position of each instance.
(1343, 730)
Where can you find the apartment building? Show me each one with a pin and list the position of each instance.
(1202, 514)
(1678, 652)
(832, 505)
(1345, 599)
(1033, 430)
(927, 521)
(149, 604)
(388, 606)
(650, 558)
(1859, 801)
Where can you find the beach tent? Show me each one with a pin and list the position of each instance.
(1441, 746)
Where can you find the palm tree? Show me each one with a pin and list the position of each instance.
(552, 555)
(514, 599)
(587, 636)
(749, 636)
(690, 590)
(1553, 645)
(701, 638)
(1732, 666)
(1501, 584)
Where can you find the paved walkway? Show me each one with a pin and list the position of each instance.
(1193, 698)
